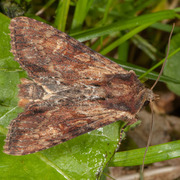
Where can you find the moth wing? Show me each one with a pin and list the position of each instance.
(45, 52)
(55, 125)
(73, 89)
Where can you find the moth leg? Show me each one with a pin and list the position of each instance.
(124, 127)
(121, 136)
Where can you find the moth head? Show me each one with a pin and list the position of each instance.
(150, 97)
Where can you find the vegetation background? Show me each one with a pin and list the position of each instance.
(133, 33)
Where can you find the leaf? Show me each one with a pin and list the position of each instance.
(80, 14)
(123, 25)
(61, 14)
(83, 157)
(172, 66)
(9, 76)
(125, 38)
(155, 153)
(140, 71)
(25, 167)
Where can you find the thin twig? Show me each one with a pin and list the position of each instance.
(165, 58)
(149, 139)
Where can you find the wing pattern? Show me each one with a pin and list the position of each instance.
(72, 89)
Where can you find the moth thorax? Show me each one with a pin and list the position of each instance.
(151, 96)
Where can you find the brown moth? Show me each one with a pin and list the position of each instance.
(72, 89)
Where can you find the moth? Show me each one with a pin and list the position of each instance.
(71, 89)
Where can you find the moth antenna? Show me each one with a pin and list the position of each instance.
(151, 104)
(165, 58)
(149, 139)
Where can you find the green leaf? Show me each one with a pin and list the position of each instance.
(141, 4)
(45, 7)
(6, 57)
(69, 159)
(165, 27)
(155, 153)
(9, 77)
(124, 38)
(82, 8)
(108, 5)
(172, 66)
(176, 51)
(124, 24)
(25, 167)
(140, 71)
(61, 14)
(145, 46)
